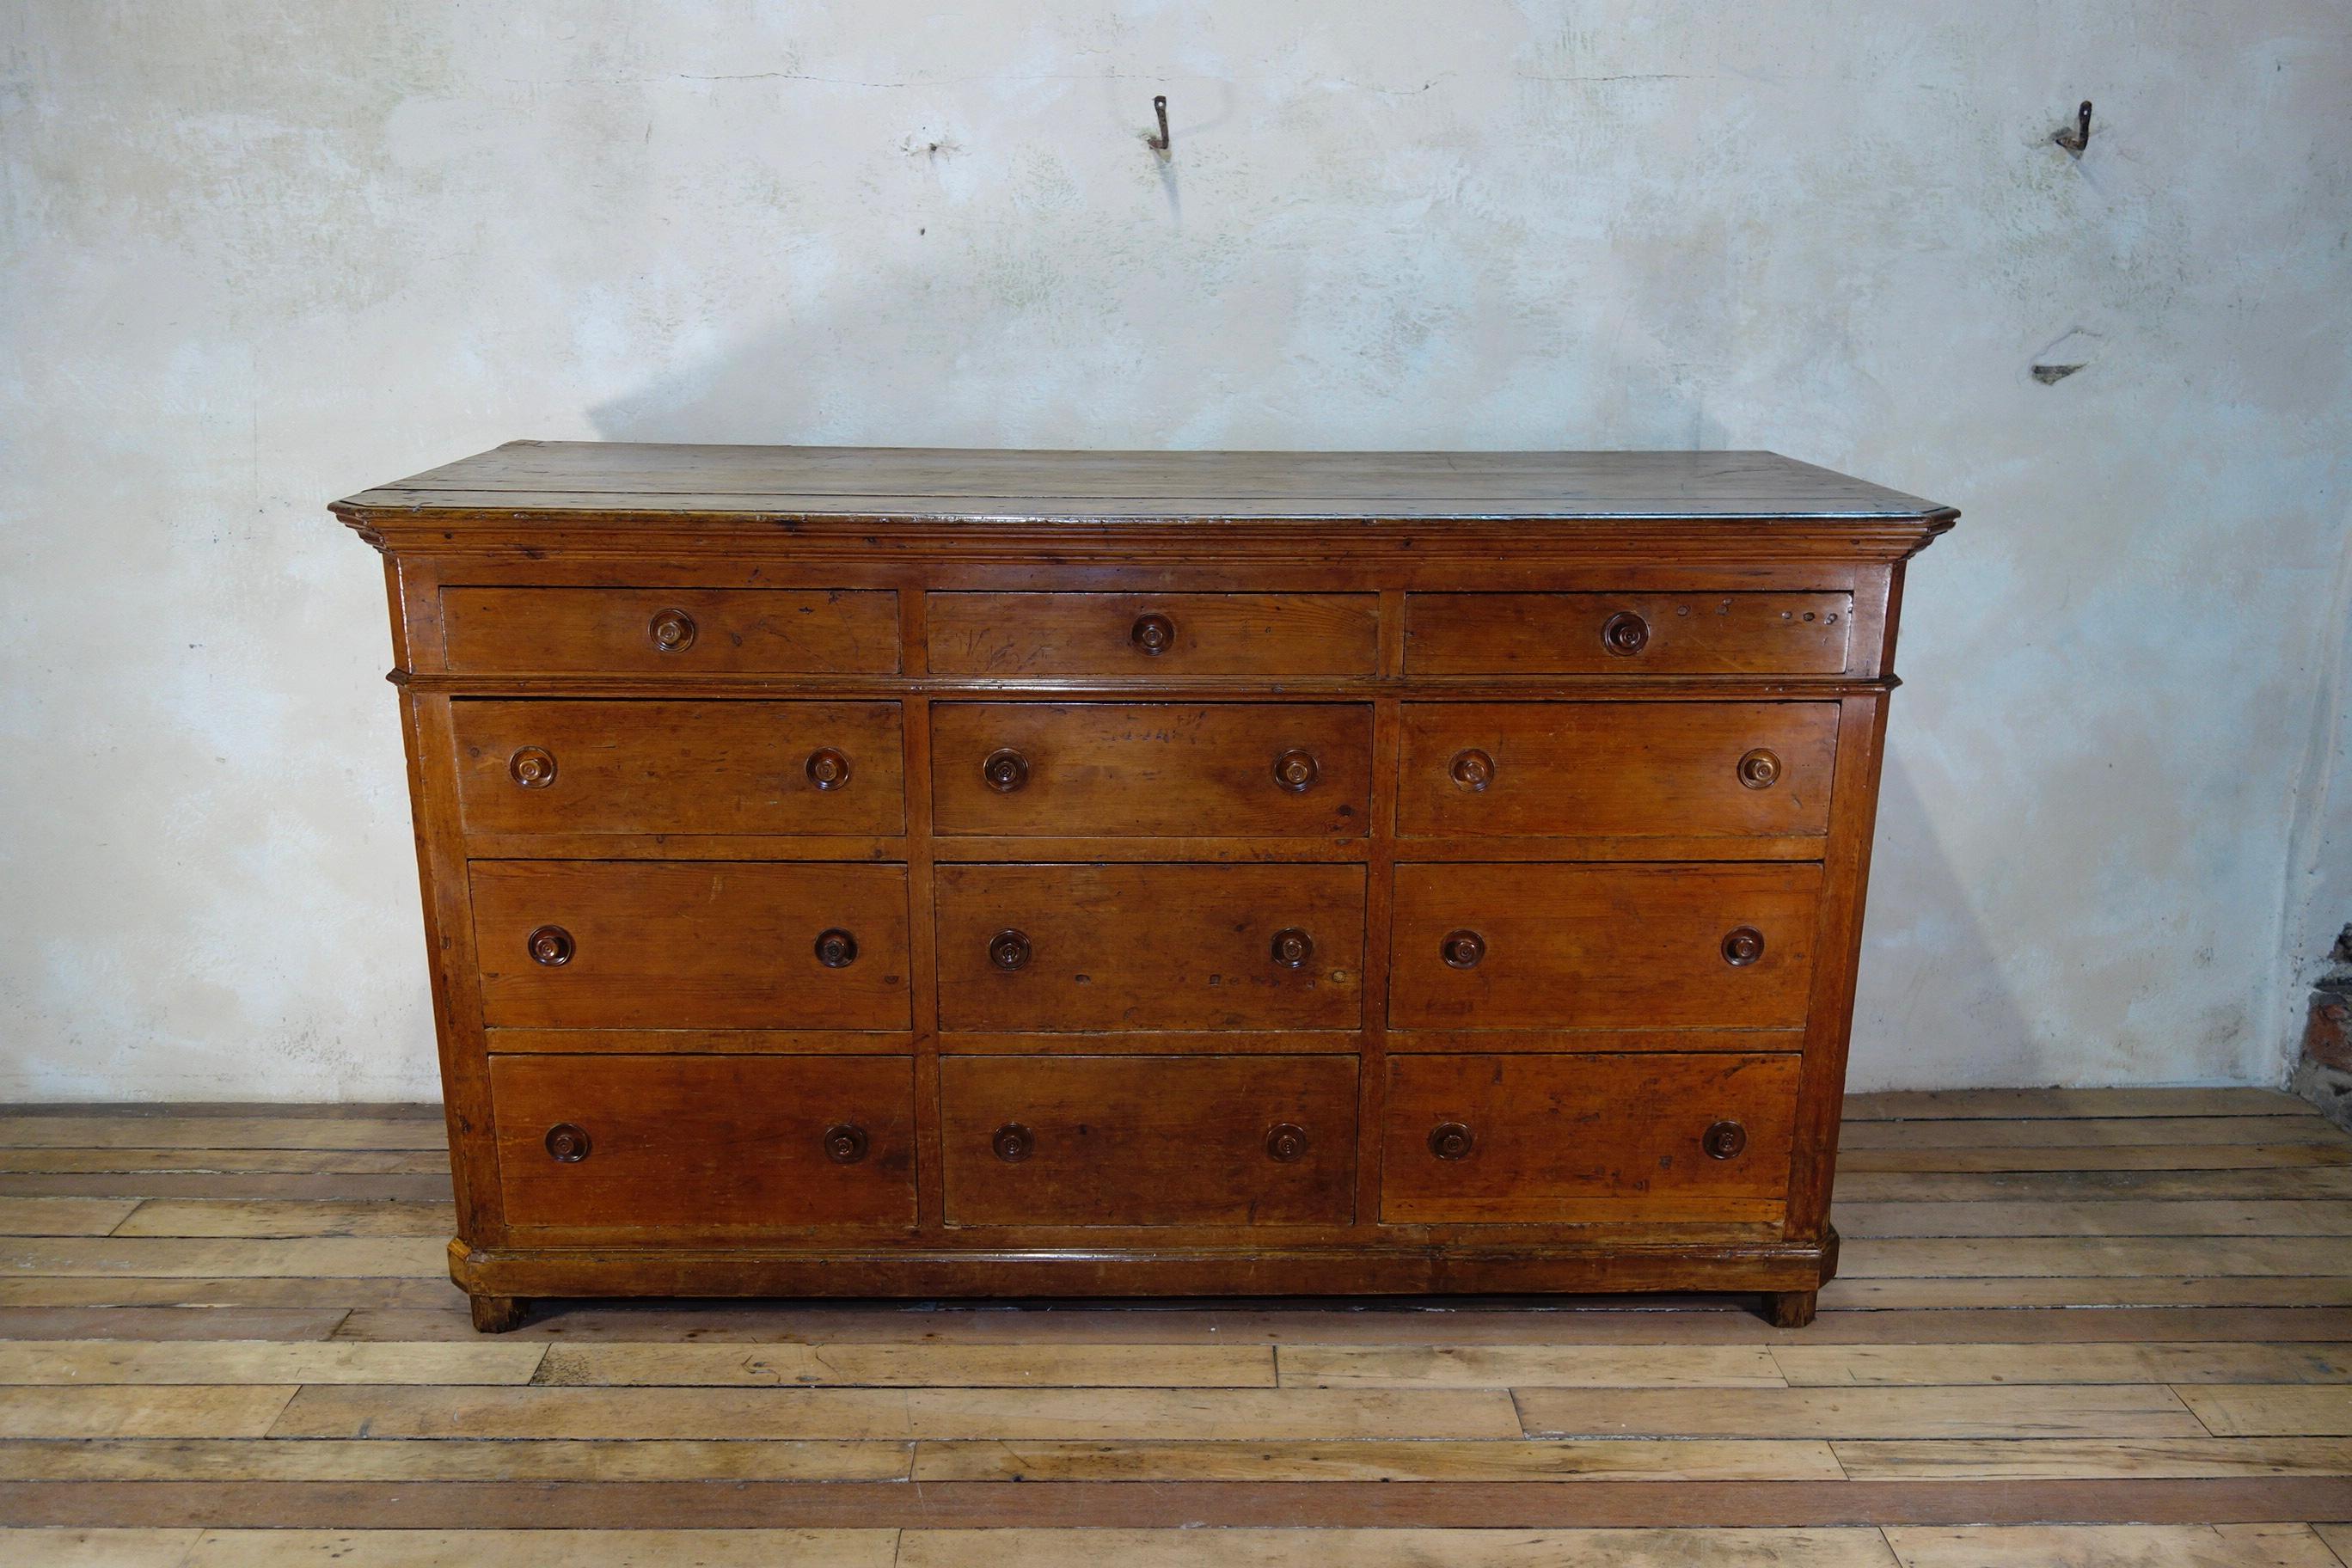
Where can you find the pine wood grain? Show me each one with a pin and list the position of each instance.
(2110, 1546)
(1853, 1365)
(223, 1460)
(96, 1547)
(863, 1413)
(62, 1217)
(1861, 1548)
(1526, 1366)
(2147, 1458)
(1371, 1460)
(2263, 1410)
(539, 1547)
(226, 1217)
(132, 1411)
(909, 1366)
(1963, 1412)
(93, 1362)
(2142, 1217)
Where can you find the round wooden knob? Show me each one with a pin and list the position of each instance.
(1625, 633)
(837, 949)
(1462, 949)
(567, 1144)
(1293, 947)
(1450, 1141)
(845, 1143)
(1724, 1141)
(1742, 945)
(1154, 634)
(827, 769)
(1013, 1142)
(1005, 770)
(672, 630)
(1759, 769)
(1009, 951)
(552, 946)
(1295, 771)
(1473, 769)
(531, 768)
(1285, 1142)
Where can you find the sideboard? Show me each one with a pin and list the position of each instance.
(909, 872)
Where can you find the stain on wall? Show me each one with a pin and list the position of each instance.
(255, 255)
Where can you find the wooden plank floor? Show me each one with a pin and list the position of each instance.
(2075, 1329)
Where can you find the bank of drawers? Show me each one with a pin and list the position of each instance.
(1142, 1043)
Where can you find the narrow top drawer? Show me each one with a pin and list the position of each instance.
(1627, 634)
(671, 631)
(1153, 636)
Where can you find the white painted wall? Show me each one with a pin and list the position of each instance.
(259, 254)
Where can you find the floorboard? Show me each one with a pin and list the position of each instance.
(2075, 1329)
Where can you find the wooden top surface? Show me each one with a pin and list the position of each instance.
(574, 477)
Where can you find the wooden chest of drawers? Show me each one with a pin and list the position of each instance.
(902, 872)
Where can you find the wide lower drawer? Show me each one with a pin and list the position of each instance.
(670, 631)
(1152, 636)
(1697, 945)
(679, 767)
(1149, 1141)
(1534, 1139)
(1736, 633)
(1057, 949)
(718, 944)
(1637, 769)
(1027, 768)
(691, 1143)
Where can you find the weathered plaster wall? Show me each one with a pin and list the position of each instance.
(259, 254)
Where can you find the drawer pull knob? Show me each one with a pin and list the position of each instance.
(1153, 634)
(1473, 769)
(1009, 951)
(1759, 769)
(566, 1143)
(1005, 770)
(1013, 1142)
(1293, 947)
(1724, 1141)
(837, 949)
(1450, 1141)
(531, 767)
(673, 631)
(551, 946)
(1625, 633)
(1285, 1142)
(1295, 771)
(1462, 949)
(845, 1145)
(827, 769)
(1742, 945)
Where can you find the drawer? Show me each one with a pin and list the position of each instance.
(698, 1142)
(715, 944)
(1562, 1138)
(1687, 769)
(679, 767)
(1602, 947)
(1153, 636)
(671, 631)
(1627, 634)
(1149, 1141)
(1057, 949)
(1025, 769)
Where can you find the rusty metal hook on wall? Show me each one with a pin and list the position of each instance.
(2077, 139)
(1160, 106)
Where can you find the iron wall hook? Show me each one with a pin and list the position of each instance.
(2079, 138)
(1160, 106)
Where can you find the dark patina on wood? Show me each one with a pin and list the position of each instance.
(879, 872)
